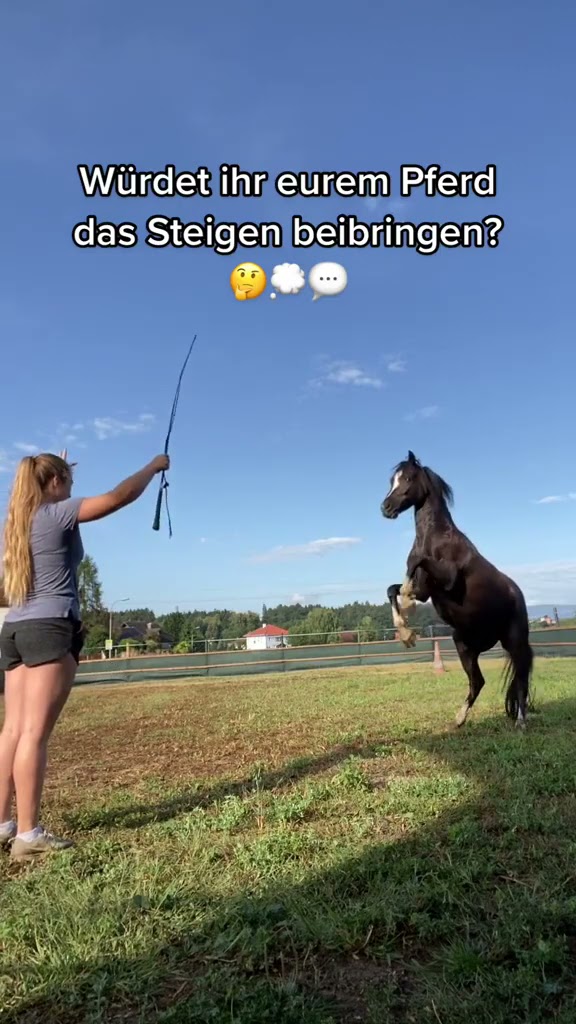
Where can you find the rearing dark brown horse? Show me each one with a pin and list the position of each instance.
(480, 603)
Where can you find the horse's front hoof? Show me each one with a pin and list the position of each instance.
(407, 636)
(461, 717)
(520, 724)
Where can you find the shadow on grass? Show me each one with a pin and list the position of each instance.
(138, 815)
(467, 916)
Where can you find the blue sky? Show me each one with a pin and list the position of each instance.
(293, 412)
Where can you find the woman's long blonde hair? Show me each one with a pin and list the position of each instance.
(28, 492)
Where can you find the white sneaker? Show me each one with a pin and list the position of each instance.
(43, 844)
(7, 833)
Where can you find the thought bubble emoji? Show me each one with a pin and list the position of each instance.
(288, 278)
(327, 279)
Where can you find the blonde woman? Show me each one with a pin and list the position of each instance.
(41, 638)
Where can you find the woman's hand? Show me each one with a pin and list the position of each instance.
(161, 463)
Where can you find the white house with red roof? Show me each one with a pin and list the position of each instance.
(266, 638)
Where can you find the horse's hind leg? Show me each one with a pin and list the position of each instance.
(519, 672)
(469, 662)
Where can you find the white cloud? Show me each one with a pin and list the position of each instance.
(543, 583)
(373, 202)
(106, 426)
(325, 590)
(396, 366)
(346, 373)
(428, 412)
(6, 463)
(546, 582)
(553, 499)
(384, 204)
(103, 427)
(28, 449)
(66, 427)
(399, 205)
(314, 547)
(353, 375)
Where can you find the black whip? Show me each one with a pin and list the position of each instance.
(163, 489)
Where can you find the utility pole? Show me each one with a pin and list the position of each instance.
(121, 600)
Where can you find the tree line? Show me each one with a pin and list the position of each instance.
(194, 630)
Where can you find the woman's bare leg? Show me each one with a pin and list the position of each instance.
(13, 704)
(45, 692)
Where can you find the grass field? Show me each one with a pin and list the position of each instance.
(319, 848)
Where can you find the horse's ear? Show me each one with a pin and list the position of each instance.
(411, 457)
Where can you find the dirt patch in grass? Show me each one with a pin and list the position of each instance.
(201, 732)
(352, 986)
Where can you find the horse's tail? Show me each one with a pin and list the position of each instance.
(517, 676)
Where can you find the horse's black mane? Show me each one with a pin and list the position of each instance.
(433, 483)
(439, 486)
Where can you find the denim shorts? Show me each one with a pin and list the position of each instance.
(34, 642)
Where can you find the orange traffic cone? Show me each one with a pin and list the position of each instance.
(438, 663)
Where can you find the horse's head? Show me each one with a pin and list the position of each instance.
(410, 485)
(405, 487)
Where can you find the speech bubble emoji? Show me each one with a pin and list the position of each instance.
(327, 279)
(247, 281)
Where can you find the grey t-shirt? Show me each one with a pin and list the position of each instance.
(57, 551)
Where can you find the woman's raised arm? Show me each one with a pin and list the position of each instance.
(124, 494)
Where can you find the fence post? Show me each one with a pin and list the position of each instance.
(438, 663)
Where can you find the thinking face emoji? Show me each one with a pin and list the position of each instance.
(247, 281)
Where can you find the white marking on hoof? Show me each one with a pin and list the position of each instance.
(462, 715)
(407, 599)
(397, 620)
(407, 636)
(520, 719)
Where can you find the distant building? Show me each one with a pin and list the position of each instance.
(140, 632)
(266, 638)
